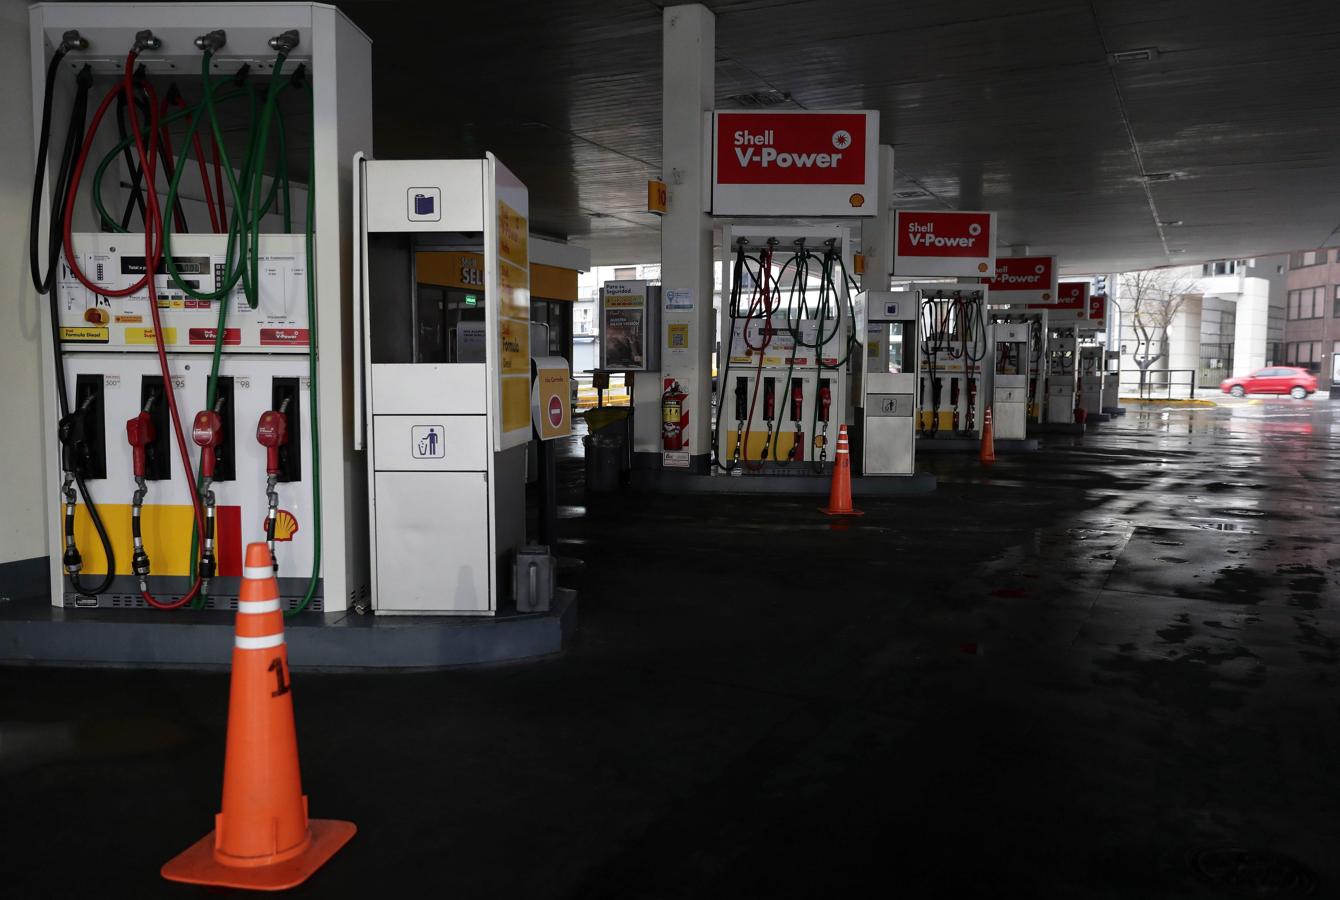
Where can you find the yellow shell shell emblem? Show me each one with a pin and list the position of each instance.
(285, 525)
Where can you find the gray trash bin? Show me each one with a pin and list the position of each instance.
(604, 461)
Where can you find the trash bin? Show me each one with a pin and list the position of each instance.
(604, 462)
(606, 449)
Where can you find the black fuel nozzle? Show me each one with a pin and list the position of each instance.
(72, 430)
(741, 399)
(299, 77)
(241, 75)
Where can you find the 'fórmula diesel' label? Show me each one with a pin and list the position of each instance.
(815, 148)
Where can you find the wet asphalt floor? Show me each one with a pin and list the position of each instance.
(1068, 676)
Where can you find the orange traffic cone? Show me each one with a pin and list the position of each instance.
(988, 452)
(839, 495)
(262, 839)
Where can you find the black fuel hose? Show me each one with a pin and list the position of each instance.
(44, 282)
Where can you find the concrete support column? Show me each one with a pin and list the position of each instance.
(1251, 326)
(1183, 344)
(688, 90)
(877, 232)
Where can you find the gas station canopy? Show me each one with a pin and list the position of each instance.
(1114, 134)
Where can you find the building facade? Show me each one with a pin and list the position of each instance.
(1312, 314)
(1230, 320)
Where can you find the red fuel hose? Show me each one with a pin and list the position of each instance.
(204, 173)
(153, 252)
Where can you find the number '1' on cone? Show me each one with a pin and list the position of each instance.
(839, 495)
(262, 838)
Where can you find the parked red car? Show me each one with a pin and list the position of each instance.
(1297, 383)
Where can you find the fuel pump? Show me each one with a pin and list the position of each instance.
(952, 324)
(788, 333)
(272, 434)
(207, 432)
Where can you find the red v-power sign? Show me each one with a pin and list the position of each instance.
(797, 163)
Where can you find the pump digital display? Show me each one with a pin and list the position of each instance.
(185, 265)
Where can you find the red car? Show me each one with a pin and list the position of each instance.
(1297, 383)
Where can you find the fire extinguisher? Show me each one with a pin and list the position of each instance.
(672, 417)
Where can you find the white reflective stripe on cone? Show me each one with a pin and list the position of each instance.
(264, 642)
(252, 607)
(256, 573)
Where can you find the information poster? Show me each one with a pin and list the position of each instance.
(623, 326)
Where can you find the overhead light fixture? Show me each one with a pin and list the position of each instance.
(1170, 223)
(1177, 250)
(909, 195)
(1153, 177)
(1142, 54)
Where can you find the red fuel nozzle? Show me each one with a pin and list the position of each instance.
(207, 432)
(825, 401)
(797, 400)
(140, 434)
(769, 399)
(272, 433)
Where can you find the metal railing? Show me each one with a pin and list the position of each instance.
(1160, 384)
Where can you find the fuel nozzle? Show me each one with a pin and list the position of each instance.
(72, 431)
(272, 434)
(207, 432)
(825, 400)
(140, 434)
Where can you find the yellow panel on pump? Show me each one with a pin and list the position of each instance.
(166, 530)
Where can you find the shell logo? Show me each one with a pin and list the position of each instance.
(857, 200)
(286, 525)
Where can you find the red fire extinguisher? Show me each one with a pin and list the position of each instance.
(674, 421)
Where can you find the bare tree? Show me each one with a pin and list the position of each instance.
(1152, 299)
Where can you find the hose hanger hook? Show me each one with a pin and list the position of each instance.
(72, 40)
(212, 42)
(145, 40)
(284, 43)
